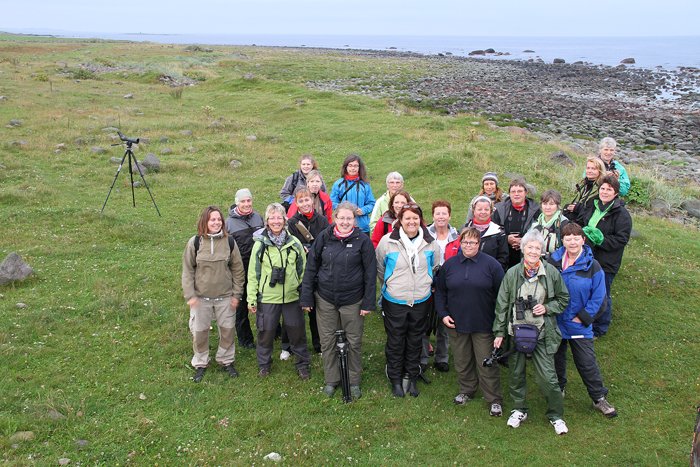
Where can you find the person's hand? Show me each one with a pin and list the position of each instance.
(538, 310)
(306, 309)
(577, 320)
(364, 312)
(234, 302)
(497, 342)
(571, 207)
(252, 308)
(358, 212)
(192, 301)
(614, 173)
(514, 241)
(448, 322)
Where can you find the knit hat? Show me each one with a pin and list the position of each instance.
(241, 194)
(489, 176)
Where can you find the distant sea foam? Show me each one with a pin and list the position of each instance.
(648, 52)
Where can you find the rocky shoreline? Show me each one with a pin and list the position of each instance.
(653, 113)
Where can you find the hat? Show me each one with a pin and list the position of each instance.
(489, 176)
(242, 194)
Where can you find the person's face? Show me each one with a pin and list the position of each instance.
(482, 211)
(399, 202)
(245, 205)
(314, 184)
(353, 168)
(305, 204)
(410, 222)
(345, 220)
(470, 246)
(214, 222)
(592, 172)
(549, 207)
(517, 194)
(489, 187)
(573, 244)
(532, 252)
(441, 216)
(306, 166)
(607, 154)
(275, 223)
(606, 193)
(394, 186)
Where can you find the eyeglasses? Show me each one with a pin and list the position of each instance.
(356, 165)
(469, 242)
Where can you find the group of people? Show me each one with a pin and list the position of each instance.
(520, 281)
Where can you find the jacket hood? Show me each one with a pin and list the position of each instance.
(261, 235)
(451, 236)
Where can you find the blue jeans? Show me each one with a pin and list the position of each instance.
(604, 317)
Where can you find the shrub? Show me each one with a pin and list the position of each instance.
(640, 192)
(82, 73)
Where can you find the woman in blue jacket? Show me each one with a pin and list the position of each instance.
(353, 186)
(585, 280)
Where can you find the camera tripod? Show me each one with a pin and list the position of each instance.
(132, 161)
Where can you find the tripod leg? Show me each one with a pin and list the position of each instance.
(119, 169)
(131, 175)
(146, 185)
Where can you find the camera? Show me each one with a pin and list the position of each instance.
(523, 304)
(277, 276)
(495, 357)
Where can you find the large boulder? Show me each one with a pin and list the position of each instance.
(151, 162)
(14, 269)
(692, 207)
(562, 158)
(628, 61)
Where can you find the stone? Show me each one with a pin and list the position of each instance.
(128, 96)
(55, 415)
(235, 164)
(490, 51)
(163, 139)
(652, 140)
(692, 207)
(273, 456)
(251, 138)
(477, 52)
(628, 61)
(558, 60)
(21, 436)
(135, 166)
(63, 461)
(18, 144)
(13, 268)
(151, 162)
(14, 123)
(3, 98)
(165, 151)
(186, 132)
(60, 146)
(98, 150)
(528, 51)
(660, 207)
(79, 141)
(21, 305)
(562, 158)
(115, 160)
(137, 184)
(81, 443)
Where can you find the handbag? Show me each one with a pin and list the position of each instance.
(525, 337)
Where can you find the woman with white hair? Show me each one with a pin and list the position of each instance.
(394, 184)
(606, 152)
(531, 295)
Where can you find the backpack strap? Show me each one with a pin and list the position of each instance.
(231, 246)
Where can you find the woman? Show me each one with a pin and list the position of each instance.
(241, 223)
(298, 179)
(607, 226)
(550, 221)
(322, 202)
(515, 215)
(586, 189)
(489, 189)
(212, 283)
(585, 280)
(443, 233)
(493, 240)
(353, 186)
(394, 184)
(274, 276)
(407, 259)
(340, 284)
(472, 277)
(386, 223)
(532, 293)
(306, 225)
(606, 151)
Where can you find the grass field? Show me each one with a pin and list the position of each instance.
(96, 364)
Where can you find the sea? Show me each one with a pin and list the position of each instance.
(648, 52)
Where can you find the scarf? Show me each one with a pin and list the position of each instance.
(479, 226)
(242, 214)
(411, 246)
(519, 208)
(339, 235)
(352, 179)
(277, 240)
(599, 212)
(567, 261)
(531, 272)
(309, 215)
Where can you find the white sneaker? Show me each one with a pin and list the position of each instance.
(559, 426)
(284, 355)
(516, 417)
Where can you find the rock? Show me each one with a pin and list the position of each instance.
(251, 138)
(98, 150)
(151, 162)
(79, 141)
(652, 140)
(3, 98)
(558, 60)
(55, 415)
(166, 151)
(692, 207)
(249, 76)
(21, 436)
(660, 207)
(14, 123)
(163, 139)
(273, 456)
(115, 160)
(186, 132)
(135, 166)
(14, 269)
(142, 396)
(235, 164)
(21, 305)
(63, 461)
(60, 146)
(81, 443)
(137, 184)
(490, 51)
(628, 61)
(18, 144)
(477, 52)
(562, 158)
(128, 96)
(528, 51)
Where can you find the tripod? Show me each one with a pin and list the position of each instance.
(341, 350)
(128, 152)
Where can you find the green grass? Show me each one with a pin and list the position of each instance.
(105, 321)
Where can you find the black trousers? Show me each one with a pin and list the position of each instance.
(405, 327)
(245, 333)
(313, 327)
(584, 358)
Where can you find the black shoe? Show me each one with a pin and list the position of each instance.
(231, 371)
(412, 388)
(199, 374)
(397, 390)
(317, 349)
(304, 373)
(247, 345)
(442, 367)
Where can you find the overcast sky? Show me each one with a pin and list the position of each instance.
(361, 17)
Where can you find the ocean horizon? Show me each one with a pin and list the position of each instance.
(668, 52)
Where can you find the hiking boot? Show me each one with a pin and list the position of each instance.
(413, 389)
(264, 372)
(355, 392)
(461, 399)
(496, 410)
(231, 371)
(605, 408)
(284, 355)
(442, 367)
(329, 389)
(516, 418)
(199, 374)
(304, 373)
(397, 390)
(559, 426)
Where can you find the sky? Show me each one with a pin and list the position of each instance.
(357, 17)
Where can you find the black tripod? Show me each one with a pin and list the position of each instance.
(341, 349)
(128, 152)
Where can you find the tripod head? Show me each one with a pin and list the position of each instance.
(128, 141)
